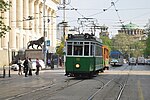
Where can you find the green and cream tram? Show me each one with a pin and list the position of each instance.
(83, 55)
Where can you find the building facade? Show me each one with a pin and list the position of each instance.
(28, 19)
(133, 30)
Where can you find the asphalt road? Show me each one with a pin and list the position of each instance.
(118, 83)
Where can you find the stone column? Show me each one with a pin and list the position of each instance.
(36, 14)
(12, 36)
(5, 39)
(19, 19)
(46, 21)
(49, 24)
(41, 19)
(19, 13)
(52, 28)
(0, 38)
(31, 14)
(25, 14)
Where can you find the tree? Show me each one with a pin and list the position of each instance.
(122, 42)
(147, 49)
(128, 45)
(60, 48)
(106, 41)
(4, 6)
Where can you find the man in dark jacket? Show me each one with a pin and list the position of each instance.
(26, 66)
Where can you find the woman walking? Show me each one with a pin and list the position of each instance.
(37, 66)
(20, 66)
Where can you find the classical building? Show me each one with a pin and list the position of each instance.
(26, 19)
(133, 30)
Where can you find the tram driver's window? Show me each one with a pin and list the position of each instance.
(77, 50)
(69, 50)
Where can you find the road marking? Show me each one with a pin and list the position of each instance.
(141, 97)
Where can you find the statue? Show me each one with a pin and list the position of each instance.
(38, 42)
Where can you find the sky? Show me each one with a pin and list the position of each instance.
(126, 11)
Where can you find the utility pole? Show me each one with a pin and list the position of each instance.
(64, 18)
(44, 34)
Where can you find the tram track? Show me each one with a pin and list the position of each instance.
(117, 81)
(124, 85)
(47, 86)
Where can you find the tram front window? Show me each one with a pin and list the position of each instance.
(77, 50)
(86, 50)
(69, 50)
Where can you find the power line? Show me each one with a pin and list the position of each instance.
(120, 9)
(77, 11)
(113, 4)
(104, 10)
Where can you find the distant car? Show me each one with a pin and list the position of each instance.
(141, 60)
(132, 61)
(148, 61)
(34, 64)
(14, 67)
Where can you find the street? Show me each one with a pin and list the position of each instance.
(118, 83)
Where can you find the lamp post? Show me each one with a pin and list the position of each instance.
(44, 34)
(8, 59)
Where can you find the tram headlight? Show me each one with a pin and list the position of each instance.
(77, 65)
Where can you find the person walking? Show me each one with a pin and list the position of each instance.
(30, 66)
(37, 66)
(49, 62)
(20, 66)
(26, 66)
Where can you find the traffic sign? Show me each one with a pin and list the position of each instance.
(48, 43)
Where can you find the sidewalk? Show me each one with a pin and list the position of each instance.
(14, 74)
(17, 85)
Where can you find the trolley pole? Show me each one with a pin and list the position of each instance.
(44, 34)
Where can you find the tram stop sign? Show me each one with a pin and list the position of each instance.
(48, 43)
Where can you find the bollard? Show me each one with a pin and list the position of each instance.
(4, 73)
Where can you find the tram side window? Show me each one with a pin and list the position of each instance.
(69, 50)
(77, 50)
(98, 51)
(86, 50)
(92, 50)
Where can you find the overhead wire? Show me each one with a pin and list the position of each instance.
(113, 4)
(77, 11)
(103, 10)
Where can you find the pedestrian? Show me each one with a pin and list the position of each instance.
(19, 63)
(49, 62)
(52, 63)
(60, 61)
(30, 66)
(26, 66)
(37, 66)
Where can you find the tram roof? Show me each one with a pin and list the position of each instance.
(83, 37)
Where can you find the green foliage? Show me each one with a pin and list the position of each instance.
(60, 48)
(127, 45)
(106, 41)
(121, 42)
(4, 6)
(147, 49)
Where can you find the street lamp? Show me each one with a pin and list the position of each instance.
(44, 33)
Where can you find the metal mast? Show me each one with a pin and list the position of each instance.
(44, 34)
